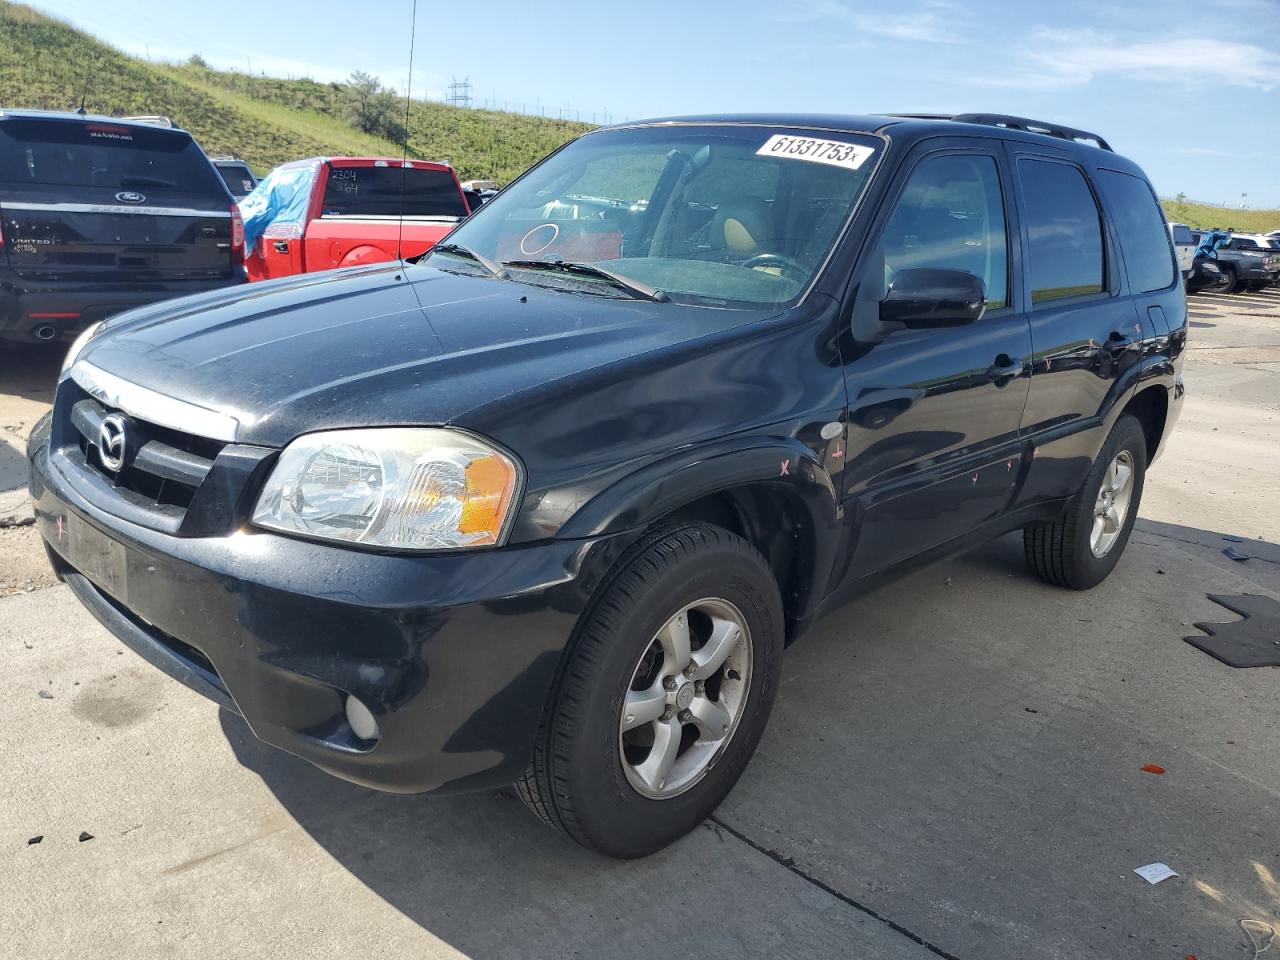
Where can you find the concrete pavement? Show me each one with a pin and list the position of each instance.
(953, 769)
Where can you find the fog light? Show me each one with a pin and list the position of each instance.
(363, 725)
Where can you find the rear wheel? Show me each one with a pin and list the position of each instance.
(664, 696)
(1081, 548)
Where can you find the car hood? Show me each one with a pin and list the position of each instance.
(379, 346)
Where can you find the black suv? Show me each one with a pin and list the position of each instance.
(100, 214)
(546, 506)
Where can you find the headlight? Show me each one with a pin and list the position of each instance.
(410, 488)
(77, 345)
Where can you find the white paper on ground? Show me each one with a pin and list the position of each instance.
(1155, 872)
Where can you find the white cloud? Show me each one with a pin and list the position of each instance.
(935, 22)
(1055, 58)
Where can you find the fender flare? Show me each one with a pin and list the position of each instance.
(363, 254)
(785, 464)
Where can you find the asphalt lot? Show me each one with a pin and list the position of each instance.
(952, 768)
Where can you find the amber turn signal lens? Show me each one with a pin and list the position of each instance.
(491, 482)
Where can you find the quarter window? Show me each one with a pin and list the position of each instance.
(1064, 231)
(1144, 241)
(950, 216)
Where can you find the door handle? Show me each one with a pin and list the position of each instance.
(1004, 369)
(281, 246)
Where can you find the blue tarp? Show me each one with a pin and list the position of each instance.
(1210, 242)
(279, 200)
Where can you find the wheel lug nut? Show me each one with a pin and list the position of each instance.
(699, 686)
(666, 714)
(685, 716)
(669, 683)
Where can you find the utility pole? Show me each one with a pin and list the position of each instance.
(459, 93)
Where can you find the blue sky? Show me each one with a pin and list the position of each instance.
(1190, 90)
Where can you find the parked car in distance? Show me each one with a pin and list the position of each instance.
(329, 212)
(237, 174)
(544, 506)
(100, 214)
(1254, 258)
(1185, 246)
(1206, 274)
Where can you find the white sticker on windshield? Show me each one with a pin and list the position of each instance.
(833, 152)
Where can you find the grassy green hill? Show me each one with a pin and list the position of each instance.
(1202, 215)
(45, 63)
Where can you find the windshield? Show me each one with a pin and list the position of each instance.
(721, 215)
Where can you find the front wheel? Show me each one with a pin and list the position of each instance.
(1081, 548)
(664, 695)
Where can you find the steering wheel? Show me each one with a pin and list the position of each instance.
(785, 263)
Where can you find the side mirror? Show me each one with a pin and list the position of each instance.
(924, 297)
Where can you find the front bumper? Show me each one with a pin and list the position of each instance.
(455, 655)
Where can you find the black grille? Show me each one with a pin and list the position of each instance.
(161, 467)
(168, 480)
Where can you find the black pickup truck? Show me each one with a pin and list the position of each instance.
(545, 506)
(1247, 262)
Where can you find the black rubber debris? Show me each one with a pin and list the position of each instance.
(1251, 642)
(85, 835)
(1235, 554)
(36, 839)
(45, 695)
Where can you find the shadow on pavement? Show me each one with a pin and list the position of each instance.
(960, 751)
(30, 370)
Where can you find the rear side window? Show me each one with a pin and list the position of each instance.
(1063, 229)
(238, 178)
(375, 192)
(115, 157)
(951, 217)
(1182, 234)
(1144, 242)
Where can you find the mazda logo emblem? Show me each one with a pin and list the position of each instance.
(130, 196)
(111, 442)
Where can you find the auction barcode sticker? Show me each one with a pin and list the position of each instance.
(833, 152)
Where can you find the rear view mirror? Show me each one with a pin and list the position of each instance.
(925, 297)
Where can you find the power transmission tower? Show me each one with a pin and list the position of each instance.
(459, 93)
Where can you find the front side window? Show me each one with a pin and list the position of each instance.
(714, 215)
(1064, 231)
(1182, 234)
(1144, 241)
(950, 216)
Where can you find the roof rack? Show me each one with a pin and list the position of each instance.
(1024, 124)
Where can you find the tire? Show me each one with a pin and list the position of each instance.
(1062, 552)
(580, 780)
(1233, 284)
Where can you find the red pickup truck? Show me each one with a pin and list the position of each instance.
(328, 212)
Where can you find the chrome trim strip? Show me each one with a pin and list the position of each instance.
(147, 404)
(118, 208)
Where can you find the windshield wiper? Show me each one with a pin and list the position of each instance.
(634, 287)
(458, 250)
